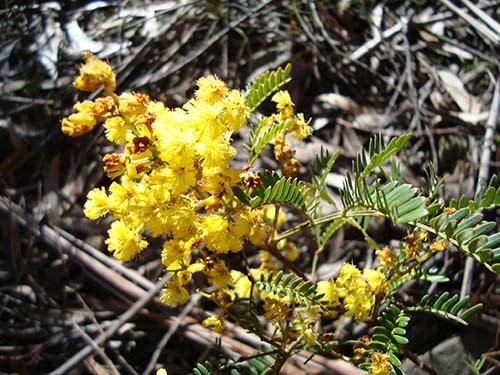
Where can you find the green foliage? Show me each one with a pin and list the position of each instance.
(466, 229)
(378, 152)
(397, 201)
(261, 135)
(446, 306)
(258, 364)
(389, 336)
(276, 190)
(265, 85)
(322, 165)
(296, 289)
(423, 274)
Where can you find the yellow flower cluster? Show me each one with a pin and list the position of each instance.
(356, 290)
(175, 177)
(296, 125)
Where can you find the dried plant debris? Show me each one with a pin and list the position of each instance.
(359, 69)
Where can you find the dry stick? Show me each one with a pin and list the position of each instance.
(484, 171)
(91, 343)
(482, 29)
(172, 329)
(112, 263)
(168, 70)
(124, 318)
(106, 270)
(494, 25)
(192, 329)
(374, 42)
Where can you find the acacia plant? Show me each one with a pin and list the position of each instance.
(231, 227)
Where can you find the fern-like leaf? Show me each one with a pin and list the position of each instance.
(276, 190)
(397, 201)
(424, 274)
(265, 85)
(260, 136)
(257, 364)
(296, 289)
(466, 229)
(330, 230)
(377, 153)
(487, 196)
(446, 306)
(321, 166)
(389, 336)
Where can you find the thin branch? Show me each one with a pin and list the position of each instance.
(484, 171)
(124, 318)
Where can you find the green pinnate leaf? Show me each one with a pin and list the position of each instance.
(265, 85)
(471, 311)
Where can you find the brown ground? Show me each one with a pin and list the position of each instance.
(408, 66)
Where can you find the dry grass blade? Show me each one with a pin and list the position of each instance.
(358, 70)
(480, 27)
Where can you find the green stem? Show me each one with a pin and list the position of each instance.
(327, 218)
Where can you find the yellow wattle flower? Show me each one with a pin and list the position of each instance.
(94, 74)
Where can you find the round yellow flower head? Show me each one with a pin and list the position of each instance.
(94, 74)
(387, 258)
(125, 243)
(210, 89)
(215, 323)
(284, 104)
(174, 294)
(328, 289)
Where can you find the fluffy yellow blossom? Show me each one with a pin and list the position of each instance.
(124, 242)
(300, 128)
(132, 105)
(277, 310)
(387, 258)
(284, 104)
(88, 114)
(215, 153)
(175, 253)
(380, 364)
(175, 181)
(120, 195)
(328, 289)
(376, 280)
(217, 233)
(116, 129)
(349, 277)
(215, 323)
(210, 89)
(241, 284)
(358, 302)
(78, 124)
(357, 295)
(183, 219)
(219, 180)
(94, 74)
(235, 113)
(206, 118)
(174, 294)
(250, 224)
(177, 148)
(97, 204)
(218, 274)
